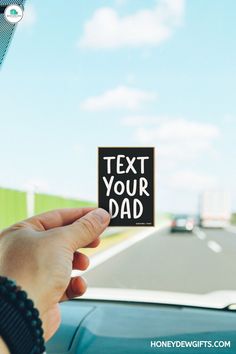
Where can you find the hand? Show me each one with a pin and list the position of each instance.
(40, 253)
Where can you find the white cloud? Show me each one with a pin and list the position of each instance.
(188, 130)
(121, 97)
(180, 129)
(107, 29)
(29, 18)
(192, 181)
(178, 138)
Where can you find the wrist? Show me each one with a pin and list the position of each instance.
(26, 285)
(3, 347)
(20, 325)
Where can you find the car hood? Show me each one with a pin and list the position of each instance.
(217, 299)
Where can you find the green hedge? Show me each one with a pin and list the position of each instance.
(45, 202)
(13, 205)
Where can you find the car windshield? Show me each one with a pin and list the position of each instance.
(182, 216)
(82, 75)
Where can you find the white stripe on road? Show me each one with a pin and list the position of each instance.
(114, 250)
(214, 246)
(199, 233)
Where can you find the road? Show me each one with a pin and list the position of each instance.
(201, 262)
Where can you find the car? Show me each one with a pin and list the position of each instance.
(181, 223)
(121, 321)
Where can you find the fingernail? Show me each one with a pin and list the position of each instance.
(103, 215)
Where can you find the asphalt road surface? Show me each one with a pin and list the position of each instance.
(201, 262)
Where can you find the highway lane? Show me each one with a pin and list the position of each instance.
(195, 263)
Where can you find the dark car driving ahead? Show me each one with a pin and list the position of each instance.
(182, 223)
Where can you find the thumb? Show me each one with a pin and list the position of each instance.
(86, 229)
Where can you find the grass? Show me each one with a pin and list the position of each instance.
(233, 219)
(109, 241)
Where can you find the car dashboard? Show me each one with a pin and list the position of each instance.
(112, 327)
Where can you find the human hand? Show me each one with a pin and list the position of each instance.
(40, 253)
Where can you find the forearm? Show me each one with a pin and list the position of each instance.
(3, 347)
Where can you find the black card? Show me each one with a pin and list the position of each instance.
(126, 184)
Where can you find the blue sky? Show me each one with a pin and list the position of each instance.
(121, 72)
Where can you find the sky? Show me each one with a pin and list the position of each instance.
(121, 73)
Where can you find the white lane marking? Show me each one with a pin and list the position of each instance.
(214, 246)
(199, 233)
(114, 250)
